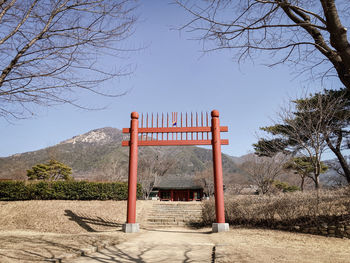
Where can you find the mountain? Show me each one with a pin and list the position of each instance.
(240, 160)
(99, 153)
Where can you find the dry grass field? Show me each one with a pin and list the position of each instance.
(65, 217)
(47, 230)
(37, 231)
(272, 246)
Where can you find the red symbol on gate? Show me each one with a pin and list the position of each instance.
(189, 130)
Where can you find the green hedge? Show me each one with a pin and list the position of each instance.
(64, 190)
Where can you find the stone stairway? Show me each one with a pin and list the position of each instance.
(168, 214)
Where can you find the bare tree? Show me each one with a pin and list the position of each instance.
(310, 34)
(113, 171)
(14, 174)
(263, 170)
(150, 168)
(51, 49)
(206, 179)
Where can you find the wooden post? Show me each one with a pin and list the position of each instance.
(132, 182)
(217, 162)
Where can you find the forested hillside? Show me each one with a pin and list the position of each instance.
(98, 154)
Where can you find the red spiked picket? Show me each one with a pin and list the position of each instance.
(149, 136)
(155, 131)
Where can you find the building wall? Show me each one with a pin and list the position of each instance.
(180, 195)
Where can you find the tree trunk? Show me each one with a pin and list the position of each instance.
(302, 183)
(317, 182)
(339, 41)
(345, 166)
(336, 150)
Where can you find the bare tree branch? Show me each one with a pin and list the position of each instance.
(250, 27)
(50, 50)
(263, 171)
(151, 167)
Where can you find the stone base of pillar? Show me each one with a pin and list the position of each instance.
(220, 227)
(131, 228)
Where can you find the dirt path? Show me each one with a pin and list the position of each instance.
(167, 245)
(173, 245)
(237, 245)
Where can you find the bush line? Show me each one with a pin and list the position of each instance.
(64, 190)
(284, 210)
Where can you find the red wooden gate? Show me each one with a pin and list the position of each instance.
(188, 129)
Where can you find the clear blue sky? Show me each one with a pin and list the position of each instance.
(171, 75)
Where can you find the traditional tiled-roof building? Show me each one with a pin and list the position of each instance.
(179, 188)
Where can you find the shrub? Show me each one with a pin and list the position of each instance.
(13, 190)
(64, 190)
(284, 209)
(285, 187)
(52, 170)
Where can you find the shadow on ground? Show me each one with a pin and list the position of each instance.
(86, 221)
(169, 230)
(26, 246)
(45, 248)
(148, 253)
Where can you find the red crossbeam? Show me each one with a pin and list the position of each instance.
(174, 142)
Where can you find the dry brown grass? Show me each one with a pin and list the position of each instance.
(46, 230)
(34, 231)
(284, 208)
(271, 246)
(65, 217)
(26, 246)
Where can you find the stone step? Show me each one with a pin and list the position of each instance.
(169, 223)
(162, 226)
(173, 218)
(175, 211)
(178, 206)
(173, 214)
(162, 220)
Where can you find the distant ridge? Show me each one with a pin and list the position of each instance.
(95, 152)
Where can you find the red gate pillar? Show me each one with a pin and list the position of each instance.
(131, 226)
(220, 224)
